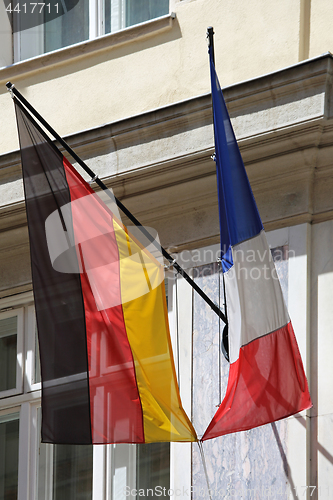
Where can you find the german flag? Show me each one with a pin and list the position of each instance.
(107, 366)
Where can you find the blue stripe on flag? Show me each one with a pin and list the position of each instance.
(239, 216)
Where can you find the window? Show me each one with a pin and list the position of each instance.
(145, 467)
(53, 472)
(87, 20)
(8, 347)
(64, 472)
(9, 446)
(153, 467)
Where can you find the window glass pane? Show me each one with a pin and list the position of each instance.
(138, 11)
(119, 14)
(72, 27)
(72, 472)
(29, 40)
(153, 469)
(113, 15)
(64, 471)
(8, 349)
(9, 443)
(107, 16)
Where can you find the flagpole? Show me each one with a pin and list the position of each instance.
(132, 218)
(225, 350)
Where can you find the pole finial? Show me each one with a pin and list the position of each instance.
(210, 31)
(210, 39)
(10, 86)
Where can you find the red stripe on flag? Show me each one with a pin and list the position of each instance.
(266, 383)
(116, 412)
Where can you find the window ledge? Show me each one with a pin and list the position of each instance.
(82, 49)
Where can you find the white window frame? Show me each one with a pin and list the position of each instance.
(30, 352)
(181, 341)
(19, 313)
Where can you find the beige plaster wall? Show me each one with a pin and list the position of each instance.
(321, 34)
(167, 66)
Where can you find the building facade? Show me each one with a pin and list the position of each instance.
(129, 90)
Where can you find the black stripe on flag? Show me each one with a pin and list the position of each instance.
(58, 296)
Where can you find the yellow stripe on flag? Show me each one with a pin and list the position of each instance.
(146, 321)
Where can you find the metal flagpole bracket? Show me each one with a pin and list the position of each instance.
(168, 266)
(93, 179)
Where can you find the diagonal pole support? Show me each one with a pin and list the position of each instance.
(12, 89)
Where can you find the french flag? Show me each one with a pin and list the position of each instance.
(266, 377)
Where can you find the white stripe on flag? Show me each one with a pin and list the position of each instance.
(254, 297)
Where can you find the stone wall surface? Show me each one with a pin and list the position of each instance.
(251, 464)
